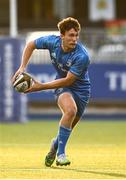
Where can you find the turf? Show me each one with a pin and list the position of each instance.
(97, 150)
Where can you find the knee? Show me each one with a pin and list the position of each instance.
(71, 112)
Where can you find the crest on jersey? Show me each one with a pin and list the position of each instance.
(53, 54)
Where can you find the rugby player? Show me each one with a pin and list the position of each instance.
(72, 85)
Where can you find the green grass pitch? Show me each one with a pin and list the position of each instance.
(97, 150)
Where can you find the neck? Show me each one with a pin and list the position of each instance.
(65, 49)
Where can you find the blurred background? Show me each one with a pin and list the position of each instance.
(103, 32)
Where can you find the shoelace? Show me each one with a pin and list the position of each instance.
(62, 156)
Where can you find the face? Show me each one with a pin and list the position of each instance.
(69, 39)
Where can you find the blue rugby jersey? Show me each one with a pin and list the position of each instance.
(75, 61)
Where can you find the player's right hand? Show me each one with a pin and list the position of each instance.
(19, 71)
(36, 86)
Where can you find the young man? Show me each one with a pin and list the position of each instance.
(72, 84)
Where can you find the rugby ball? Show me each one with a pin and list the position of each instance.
(23, 82)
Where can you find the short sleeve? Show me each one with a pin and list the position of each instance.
(80, 65)
(45, 42)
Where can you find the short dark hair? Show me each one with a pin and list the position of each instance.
(67, 24)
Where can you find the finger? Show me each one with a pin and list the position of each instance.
(15, 76)
(13, 79)
(28, 90)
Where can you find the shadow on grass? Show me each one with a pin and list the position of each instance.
(119, 175)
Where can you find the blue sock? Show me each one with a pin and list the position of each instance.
(56, 143)
(63, 136)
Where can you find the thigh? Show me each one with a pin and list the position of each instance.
(81, 105)
(66, 102)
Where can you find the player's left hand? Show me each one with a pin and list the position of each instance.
(37, 86)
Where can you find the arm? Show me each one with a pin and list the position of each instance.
(28, 50)
(58, 83)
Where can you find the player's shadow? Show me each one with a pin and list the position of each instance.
(119, 175)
